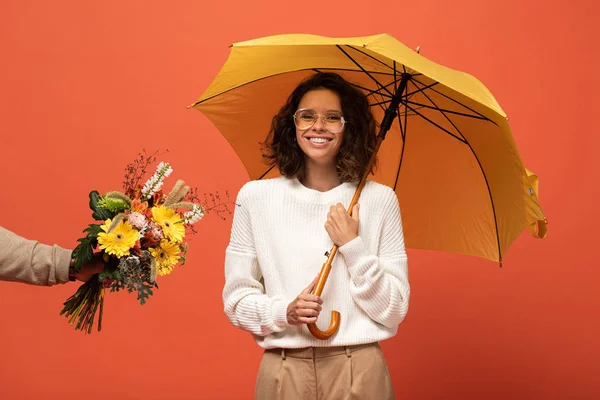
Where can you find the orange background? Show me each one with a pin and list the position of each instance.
(85, 85)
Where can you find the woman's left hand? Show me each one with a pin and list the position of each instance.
(341, 227)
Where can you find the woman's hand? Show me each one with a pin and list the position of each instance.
(341, 227)
(305, 308)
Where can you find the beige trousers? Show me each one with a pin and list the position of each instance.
(329, 373)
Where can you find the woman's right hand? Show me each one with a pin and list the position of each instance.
(305, 308)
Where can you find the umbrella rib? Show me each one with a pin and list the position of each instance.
(368, 55)
(408, 95)
(436, 124)
(386, 86)
(383, 95)
(394, 82)
(384, 102)
(364, 70)
(345, 70)
(395, 78)
(444, 114)
(267, 171)
(456, 101)
(405, 124)
(380, 103)
(443, 110)
(421, 89)
(371, 92)
(487, 184)
(403, 132)
(379, 92)
(478, 116)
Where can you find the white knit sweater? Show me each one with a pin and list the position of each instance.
(277, 247)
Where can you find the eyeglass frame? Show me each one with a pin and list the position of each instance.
(322, 116)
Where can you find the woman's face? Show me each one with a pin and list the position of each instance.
(322, 141)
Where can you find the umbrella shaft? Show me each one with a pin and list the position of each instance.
(391, 111)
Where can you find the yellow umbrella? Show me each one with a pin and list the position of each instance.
(449, 154)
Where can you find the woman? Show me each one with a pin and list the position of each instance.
(321, 141)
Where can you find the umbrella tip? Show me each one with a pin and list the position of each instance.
(418, 49)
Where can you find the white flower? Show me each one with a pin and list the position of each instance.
(137, 220)
(155, 182)
(193, 216)
(164, 166)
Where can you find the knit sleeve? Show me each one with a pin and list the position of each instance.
(379, 283)
(27, 261)
(246, 304)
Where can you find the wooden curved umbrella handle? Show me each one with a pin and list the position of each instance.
(318, 289)
(326, 334)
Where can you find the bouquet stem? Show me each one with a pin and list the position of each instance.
(82, 306)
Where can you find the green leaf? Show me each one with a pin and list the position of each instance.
(135, 275)
(183, 257)
(100, 214)
(110, 271)
(85, 249)
(93, 229)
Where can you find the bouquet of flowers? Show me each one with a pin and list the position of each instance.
(141, 235)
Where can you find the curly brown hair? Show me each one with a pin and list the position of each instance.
(280, 148)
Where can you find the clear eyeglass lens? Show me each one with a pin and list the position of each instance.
(333, 121)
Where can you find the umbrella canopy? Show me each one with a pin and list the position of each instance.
(449, 154)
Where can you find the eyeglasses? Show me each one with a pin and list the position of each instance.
(333, 121)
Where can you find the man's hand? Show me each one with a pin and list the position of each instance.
(90, 268)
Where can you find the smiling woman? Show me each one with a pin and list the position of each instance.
(319, 136)
(321, 141)
(315, 110)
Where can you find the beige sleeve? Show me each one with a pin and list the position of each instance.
(27, 261)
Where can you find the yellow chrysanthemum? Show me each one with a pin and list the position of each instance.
(170, 222)
(119, 240)
(167, 255)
